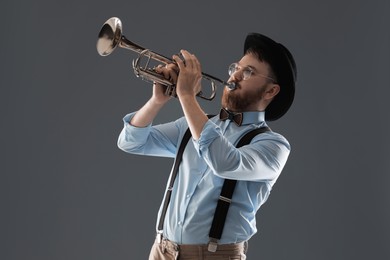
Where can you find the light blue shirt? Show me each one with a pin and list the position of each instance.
(206, 163)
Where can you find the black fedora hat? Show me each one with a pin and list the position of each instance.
(283, 67)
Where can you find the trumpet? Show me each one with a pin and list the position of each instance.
(110, 37)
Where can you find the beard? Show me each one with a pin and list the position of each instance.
(236, 101)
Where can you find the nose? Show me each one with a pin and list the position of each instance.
(236, 76)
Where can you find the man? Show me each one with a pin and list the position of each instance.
(264, 90)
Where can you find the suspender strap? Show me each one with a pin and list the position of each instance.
(225, 198)
(174, 171)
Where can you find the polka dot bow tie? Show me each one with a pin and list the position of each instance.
(226, 114)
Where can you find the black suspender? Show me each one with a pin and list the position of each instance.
(174, 171)
(224, 198)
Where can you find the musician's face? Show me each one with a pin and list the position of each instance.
(251, 78)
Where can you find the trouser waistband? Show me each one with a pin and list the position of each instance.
(235, 248)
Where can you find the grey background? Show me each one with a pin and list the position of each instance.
(67, 192)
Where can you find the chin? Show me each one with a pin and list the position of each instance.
(231, 101)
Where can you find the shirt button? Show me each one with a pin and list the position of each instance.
(188, 196)
(179, 223)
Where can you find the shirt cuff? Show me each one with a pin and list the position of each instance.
(137, 133)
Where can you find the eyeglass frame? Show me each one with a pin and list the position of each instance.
(246, 70)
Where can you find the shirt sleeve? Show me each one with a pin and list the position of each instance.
(262, 160)
(160, 140)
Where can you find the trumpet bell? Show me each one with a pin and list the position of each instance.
(109, 36)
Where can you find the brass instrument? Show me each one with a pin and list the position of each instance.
(110, 37)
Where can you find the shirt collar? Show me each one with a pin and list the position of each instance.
(253, 117)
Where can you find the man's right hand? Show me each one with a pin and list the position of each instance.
(169, 72)
(149, 111)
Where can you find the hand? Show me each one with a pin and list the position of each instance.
(190, 76)
(170, 73)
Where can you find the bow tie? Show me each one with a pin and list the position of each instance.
(236, 117)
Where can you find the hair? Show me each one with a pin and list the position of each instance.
(258, 54)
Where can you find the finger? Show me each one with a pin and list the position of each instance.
(163, 71)
(179, 62)
(196, 63)
(172, 71)
(158, 68)
(188, 57)
(192, 60)
(173, 66)
(173, 76)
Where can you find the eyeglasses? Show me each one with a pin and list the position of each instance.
(247, 72)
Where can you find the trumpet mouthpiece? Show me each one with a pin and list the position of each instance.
(230, 85)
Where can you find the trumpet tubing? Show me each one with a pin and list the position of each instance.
(110, 37)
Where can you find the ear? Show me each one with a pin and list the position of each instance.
(271, 91)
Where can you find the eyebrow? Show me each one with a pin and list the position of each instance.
(251, 67)
(247, 66)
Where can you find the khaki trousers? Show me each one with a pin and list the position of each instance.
(164, 249)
